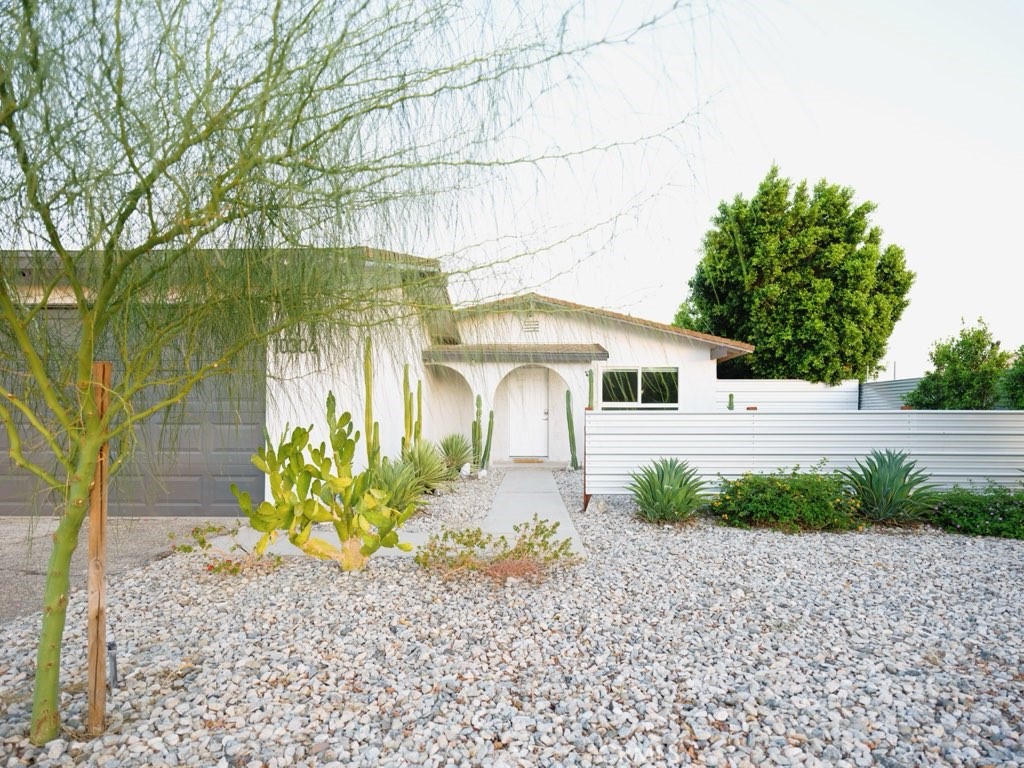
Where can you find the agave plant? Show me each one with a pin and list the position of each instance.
(667, 491)
(428, 464)
(889, 487)
(455, 451)
(399, 480)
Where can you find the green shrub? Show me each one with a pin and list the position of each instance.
(992, 511)
(787, 501)
(889, 488)
(399, 480)
(455, 451)
(430, 467)
(667, 491)
(533, 554)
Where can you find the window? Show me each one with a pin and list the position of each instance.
(655, 389)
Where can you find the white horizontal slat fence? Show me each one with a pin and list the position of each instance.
(885, 395)
(955, 447)
(786, 395)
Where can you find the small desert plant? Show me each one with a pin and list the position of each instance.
(428, 464)
(398, 479)
(221, 561)
(667, 491)
(889, 487)
(991, 511)
(456, 451)
(532, 555)
(788, 501)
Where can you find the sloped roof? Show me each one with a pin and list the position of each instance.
(514, 353)
(727, 348)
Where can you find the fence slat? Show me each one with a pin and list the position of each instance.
(955, 447)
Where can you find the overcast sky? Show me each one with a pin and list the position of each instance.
(917, 105)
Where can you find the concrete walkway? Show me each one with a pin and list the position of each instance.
(523, 493)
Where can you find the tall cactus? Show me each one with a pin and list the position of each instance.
(590, 386)
(475, 431)
(572, 430)
(413, 410)
(485, 459)
(407, 404)
(417, 431)
(371, 427)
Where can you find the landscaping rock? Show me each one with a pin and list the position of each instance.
(844, 649)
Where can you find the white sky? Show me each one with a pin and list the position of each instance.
(917, 105)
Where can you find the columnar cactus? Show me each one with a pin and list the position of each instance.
(485, 459)
(372, 431)
(407, 405)
(572, 430)
(475, 432)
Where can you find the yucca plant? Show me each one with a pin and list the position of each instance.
(399, 480)
(667, 491)
(430, 467)
(455, 451)
(889, 488)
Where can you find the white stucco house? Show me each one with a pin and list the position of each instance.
(520, 355)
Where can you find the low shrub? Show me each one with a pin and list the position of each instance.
(991, 511)
(890, 488)
(667, 491)
(222, 561)
(787, 501)
(533, 554)
(455, 451)
(428, 464)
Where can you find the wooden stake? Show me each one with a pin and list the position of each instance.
(97, 628)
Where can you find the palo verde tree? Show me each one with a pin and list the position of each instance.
(966, 375)
(802, 275)
(165, 168)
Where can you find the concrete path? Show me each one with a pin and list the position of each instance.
(523, 492)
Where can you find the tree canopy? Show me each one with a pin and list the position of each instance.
(1011, 383)
(803, 276)
(966, 375)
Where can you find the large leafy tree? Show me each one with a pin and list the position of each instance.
(1011, 383)
(164, 167)
(803, 276)
(967, 372)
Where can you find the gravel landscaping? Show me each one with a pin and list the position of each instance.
(667, 646)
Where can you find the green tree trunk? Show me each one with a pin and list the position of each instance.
(46, 697)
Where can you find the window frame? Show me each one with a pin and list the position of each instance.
(638, 405)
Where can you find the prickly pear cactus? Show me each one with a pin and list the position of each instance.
(310, 485)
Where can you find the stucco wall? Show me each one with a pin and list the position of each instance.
(627, 345)
(297, 386)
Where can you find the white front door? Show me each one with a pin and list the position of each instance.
(528, 412)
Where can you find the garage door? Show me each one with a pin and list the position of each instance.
(183, 464)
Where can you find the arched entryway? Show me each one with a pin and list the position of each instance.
(529, 416)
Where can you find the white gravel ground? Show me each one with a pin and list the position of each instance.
(667, 646)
